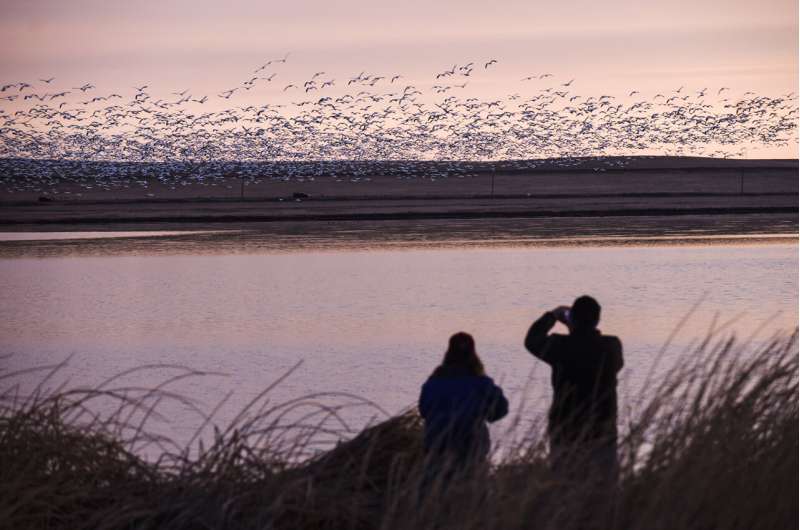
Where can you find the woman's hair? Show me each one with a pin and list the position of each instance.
(460, 354)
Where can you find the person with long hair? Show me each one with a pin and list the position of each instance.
(456, 402)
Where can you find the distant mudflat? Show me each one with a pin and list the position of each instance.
(313, 236)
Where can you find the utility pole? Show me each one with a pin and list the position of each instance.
(241, 180)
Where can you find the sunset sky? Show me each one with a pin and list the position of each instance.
(613, 47)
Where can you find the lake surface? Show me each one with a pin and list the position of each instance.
(372, 322)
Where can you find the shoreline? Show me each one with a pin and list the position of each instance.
(431, 234)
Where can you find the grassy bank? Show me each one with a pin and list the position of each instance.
(714, 444)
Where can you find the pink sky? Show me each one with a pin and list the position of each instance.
(609, 47)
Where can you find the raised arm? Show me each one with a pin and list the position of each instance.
(536, 339)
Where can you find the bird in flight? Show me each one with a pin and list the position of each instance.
(490, 63)
(48, 81)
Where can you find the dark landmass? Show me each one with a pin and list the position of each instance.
(24, 180)
(129, 196)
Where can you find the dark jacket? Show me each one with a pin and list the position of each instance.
(584, 378)
(456, 406)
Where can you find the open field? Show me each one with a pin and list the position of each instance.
(171, 214)
(722, 188)
(384, 180)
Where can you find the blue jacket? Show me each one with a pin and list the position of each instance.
(456, 407)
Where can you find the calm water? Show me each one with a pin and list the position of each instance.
(370, 322)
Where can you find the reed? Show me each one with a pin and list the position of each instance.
(712, 445)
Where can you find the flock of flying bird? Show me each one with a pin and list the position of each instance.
(48, 133)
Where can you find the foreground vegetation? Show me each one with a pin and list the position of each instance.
(714, 445)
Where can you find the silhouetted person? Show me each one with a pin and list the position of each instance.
(582, 423)
(456, 402)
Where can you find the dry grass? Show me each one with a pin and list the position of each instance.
(713, 446)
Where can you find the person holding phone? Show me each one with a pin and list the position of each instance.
(582, 421)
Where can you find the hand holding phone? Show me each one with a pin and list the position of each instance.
(562, 314)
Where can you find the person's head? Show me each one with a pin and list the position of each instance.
(461, 353)
(585, 313)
